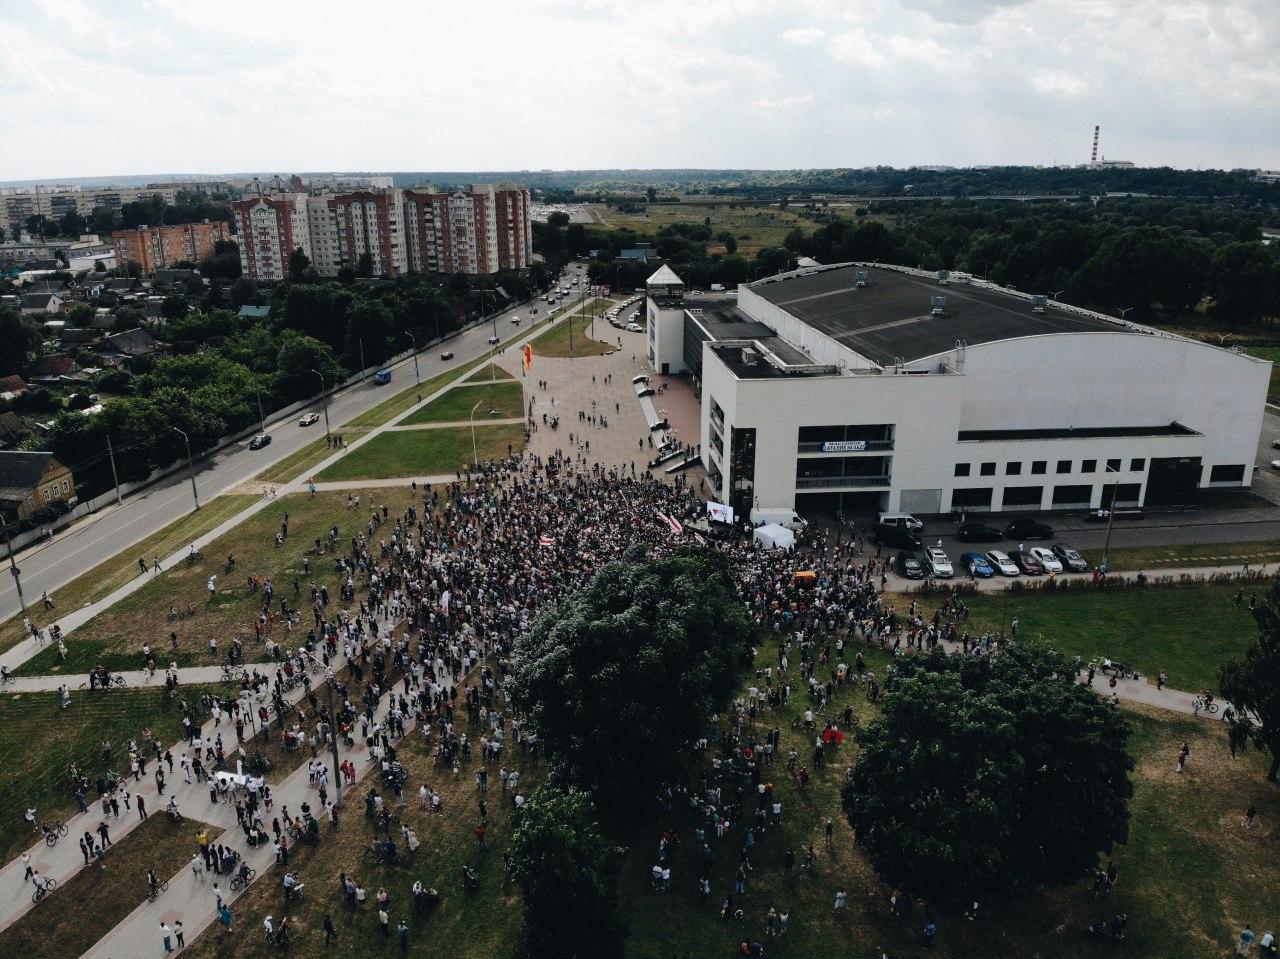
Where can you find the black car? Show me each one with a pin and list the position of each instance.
(1072, 561)
(899, 536)
(909, 566)
(1027, 529)
(259, 441)
(972, 532)
(447, 355)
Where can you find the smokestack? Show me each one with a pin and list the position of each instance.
(1093, 160)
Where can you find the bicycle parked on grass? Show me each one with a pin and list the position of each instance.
(44, 886)
(51, 833)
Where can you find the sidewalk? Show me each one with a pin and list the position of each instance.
(134, 678)
(996, 584)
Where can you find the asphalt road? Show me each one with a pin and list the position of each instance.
(83, 546)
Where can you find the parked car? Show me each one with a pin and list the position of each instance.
(1027, 563)
(1028, 529)
(897, 536)
(938, 563)
(909, 566)
(634, 328)
(308, 419)
(977, 565)
(972, 532)
(447, 355)
(534, 310)
(259, 441)
(1046, 558)
(1071, 560)
(900, 519)
(1001, 562)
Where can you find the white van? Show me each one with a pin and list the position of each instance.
(900, 520)
(781, 515)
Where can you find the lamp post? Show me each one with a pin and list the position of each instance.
(417, 376)
(333, 743)
(262, 420)
(1125, 312)
(13, 567)
(475, 458)
(325, 398)
(1111, 517)
(190, 465)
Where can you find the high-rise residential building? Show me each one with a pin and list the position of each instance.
(482, 229)
(17, 205)
(370, 222)
(159, 247)
(269, 229)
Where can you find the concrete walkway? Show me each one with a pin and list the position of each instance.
(134, 678)
(394, 481)
(455, 424)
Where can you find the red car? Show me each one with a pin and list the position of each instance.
(1027, 563)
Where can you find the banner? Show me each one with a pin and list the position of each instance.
(527, 354)
(719, 512)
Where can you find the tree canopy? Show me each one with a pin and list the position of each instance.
(1252, 682)
(619, 676)
(985, 775)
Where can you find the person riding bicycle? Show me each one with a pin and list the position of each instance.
(4, 672)
(469, 878)
(292, 886)
(243, 874)
(1208, 699)
(172, 807)
(153, 884)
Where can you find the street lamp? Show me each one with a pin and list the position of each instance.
(262, 421)
(13, 567)
(1126, 311)
(333, 743)
(325, 398)
(475, 458)
(417, 376)
(190, 465)
(1111, 515)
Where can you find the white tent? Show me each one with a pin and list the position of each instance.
(773, 536)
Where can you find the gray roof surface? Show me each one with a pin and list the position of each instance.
(20, 471)
(890, 317)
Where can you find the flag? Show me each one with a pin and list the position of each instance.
(546, 541)
(675, 524)
(528, 356)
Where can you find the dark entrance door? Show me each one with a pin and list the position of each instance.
(1173, 480)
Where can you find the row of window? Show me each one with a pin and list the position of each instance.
(1039, 467)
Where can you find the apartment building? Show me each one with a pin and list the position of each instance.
(160, 247)
(17, 206)
(269, 229)
(371, 222)
(482, 229)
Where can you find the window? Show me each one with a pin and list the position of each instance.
(1113, 466)
(1088, 466)
(1064, 496)
(1012, 469)
(962, 469)
(1023, 496)
(988, 469)
(971, 498)
(1039, 466)
(1138, 465)
(1064, 466)
(1226, 474)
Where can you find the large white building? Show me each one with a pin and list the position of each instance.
(855, 388)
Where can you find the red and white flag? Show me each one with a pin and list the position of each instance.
(546, 541)
(675, 524)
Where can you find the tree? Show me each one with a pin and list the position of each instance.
(981, 776)
(650, 194)
(73, 224)
(565, 868)
(223, 263)
(19, 340)
(1252, 683)
(299, 264)
(619, 676)
(1244, 280)
(81, 314)
(299, 355)
(364, 266)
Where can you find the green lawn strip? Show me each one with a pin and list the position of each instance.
(457, 404)
(1271, 353)
(424, 452)
(1187, 631)
(39, 741)
(555, 342)
(111, 574)
(115, 637)
(95, 900)
(490, 373)
(1254, 552)
(297, 462)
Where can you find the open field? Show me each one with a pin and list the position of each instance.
(39, 741)
(1187, 631)
(754, 227)
(506, 398)
(111, 574)
(424, 452)
(115, 637)
(488, 374)
(75, 915)
(1271, 353)
(561, 342)
(1254, 553)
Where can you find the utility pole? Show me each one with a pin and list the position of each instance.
(114, 477)
(325, 397)
(13, 567)
(475, 457)
(262, 420)
(417, 376)
(1111, 519)
(333, 744)
(190, 465)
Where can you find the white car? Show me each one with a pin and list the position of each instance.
(1047, 559)
(515, 320)
(634, 328)
(938, 563)
(309, 419)
(1003, 564)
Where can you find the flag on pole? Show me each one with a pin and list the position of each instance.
(527, 351)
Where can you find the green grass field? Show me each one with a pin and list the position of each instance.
(1154, 558)
(1271, 353)
(753, 227)
(111, 574)
(1187, 631)
(570, 339)
(115, 637)
(424, 452)
(489, 373)
(456, 405)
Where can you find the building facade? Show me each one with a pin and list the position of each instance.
(161, 247)
(32, 481)
(482, 229)
(16, 206)
(269, 229)
(861, 388)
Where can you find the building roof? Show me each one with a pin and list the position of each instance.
(54, 366)
(21, 471)
(255, 312)
(890, 318)
(12, 384)
(135, 342)
(38, 301)
(664, 276)
(11, 425)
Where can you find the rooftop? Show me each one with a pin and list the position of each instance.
(891, 317)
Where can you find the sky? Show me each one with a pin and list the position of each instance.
(181, 86)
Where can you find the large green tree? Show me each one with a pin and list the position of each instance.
(1252, 683)
(566, 870)
(985, 775)
(19, 340)
(617, 677)
(1244, 279)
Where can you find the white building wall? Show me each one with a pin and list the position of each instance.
(665, 333)
(823, 348)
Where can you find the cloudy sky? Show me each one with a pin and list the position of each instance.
(139, 86)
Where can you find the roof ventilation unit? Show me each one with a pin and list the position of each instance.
(1038, 302)
(939, 306)
(944, 277)
(860, 278)
(750, 356)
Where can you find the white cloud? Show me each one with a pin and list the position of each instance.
(803, 36)
(793, 102)
(1059, 83)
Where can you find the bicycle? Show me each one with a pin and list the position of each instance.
(155, 891)
(51, 834)
(1203, 704)
(244, 879)
(43, 888)
(7, 678)
(194, 557)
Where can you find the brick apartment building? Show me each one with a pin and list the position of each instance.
(160, 247)
(479, 230)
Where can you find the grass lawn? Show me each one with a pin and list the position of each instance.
(1188, 631)
(556, 341)
(754, 227)
(115, 637)
(39, 741)
(456, 405)
(1271, 353)
(297, 462)
(1253, 552)
(111, 574)
(489, 373)
(424, 452)
(76, 915)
